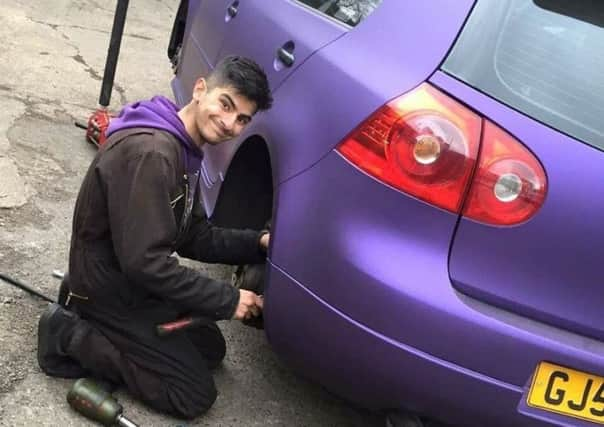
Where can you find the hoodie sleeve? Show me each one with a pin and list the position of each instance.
(208, 243)
(143, 230)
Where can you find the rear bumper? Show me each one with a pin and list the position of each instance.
(379, 373)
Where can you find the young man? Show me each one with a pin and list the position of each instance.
(138, 205)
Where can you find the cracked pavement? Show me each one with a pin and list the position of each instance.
(53, 58)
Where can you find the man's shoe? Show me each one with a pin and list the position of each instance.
(54, 330)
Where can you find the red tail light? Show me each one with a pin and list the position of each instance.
(423, 143)
(426, 144)
(510, 184)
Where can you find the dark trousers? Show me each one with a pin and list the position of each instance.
(170, 374)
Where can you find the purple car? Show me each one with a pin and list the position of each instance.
(434, 171)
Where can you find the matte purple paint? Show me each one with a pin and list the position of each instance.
(355, 362)
(281, 22)
(360, 296)
(387, 269)
(549, 268)
(387, 55)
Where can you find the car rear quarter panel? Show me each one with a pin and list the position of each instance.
(392, 51)
(381, 257)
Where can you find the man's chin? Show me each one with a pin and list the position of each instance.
(214, 139)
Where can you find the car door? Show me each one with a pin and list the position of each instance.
(279, 35)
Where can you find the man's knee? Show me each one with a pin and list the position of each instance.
(185, 398)
(189, 404)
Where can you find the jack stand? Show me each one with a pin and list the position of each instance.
(98, 122)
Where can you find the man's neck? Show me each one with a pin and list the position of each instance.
(187, 117)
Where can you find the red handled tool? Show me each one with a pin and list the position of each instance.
(164, 329)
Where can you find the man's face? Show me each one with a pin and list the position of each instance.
(220, 113)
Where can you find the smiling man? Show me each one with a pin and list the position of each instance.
(138, 205)
(214, 116)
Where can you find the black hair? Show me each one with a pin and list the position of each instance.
(246, 77)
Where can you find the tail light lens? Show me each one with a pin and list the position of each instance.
(423, 143)
(426, 144)
(510, 184)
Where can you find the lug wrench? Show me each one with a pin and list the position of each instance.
(24, 287)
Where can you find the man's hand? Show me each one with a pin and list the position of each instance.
(249, 305)
(264, 241)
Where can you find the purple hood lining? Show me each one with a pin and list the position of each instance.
(159, 113)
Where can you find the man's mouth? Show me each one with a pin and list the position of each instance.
(220, 131)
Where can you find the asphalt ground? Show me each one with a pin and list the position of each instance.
(53, 55)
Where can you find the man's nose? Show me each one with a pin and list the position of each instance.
(230, 120)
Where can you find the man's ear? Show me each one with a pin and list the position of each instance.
(200, 88)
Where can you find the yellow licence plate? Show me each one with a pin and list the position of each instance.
(569, 392)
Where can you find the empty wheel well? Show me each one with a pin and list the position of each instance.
(246, 195)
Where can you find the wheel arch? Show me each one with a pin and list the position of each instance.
(245, 199)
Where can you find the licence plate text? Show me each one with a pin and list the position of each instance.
(567, 391)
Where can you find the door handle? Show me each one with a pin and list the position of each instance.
(286, 54)
(232, 10)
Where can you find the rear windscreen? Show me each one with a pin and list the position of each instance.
(544, 58)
